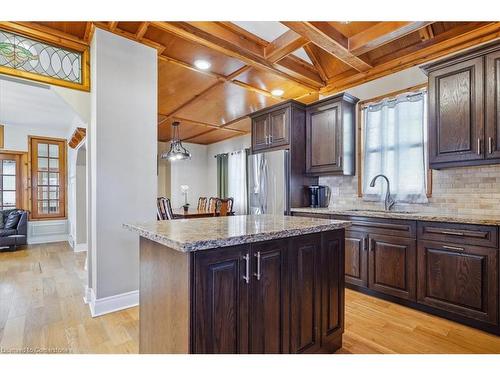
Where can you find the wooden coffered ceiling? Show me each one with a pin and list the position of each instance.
(213, 104)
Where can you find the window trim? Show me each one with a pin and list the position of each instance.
(359, 137)
(21, 182)
(33, 154)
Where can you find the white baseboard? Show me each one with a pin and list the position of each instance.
(48, 239)
(79, 247)
(87, 297)
(106, 305)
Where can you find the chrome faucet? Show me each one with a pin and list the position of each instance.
(388, 202)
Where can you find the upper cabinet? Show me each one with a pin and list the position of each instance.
(271, 127)
(463, 109)
(330, 136)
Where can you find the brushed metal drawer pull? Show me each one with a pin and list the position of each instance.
(479, 146)
(453, 248)
(246, 277)
(257, 274)
(490, 145)
(452, 233)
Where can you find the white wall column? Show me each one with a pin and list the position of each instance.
(122, 149)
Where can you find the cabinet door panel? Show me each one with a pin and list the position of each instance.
(456, 130)
(392, 266)
(305, 293)
(260, 132)
(268, 298)
(324, 134)
(332, 287)
(493, 105)
(279, 128)
(356, 258)
(221, 302)
(461, 280)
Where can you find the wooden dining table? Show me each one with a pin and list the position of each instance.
(191, 213)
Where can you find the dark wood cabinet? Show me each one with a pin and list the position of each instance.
(448, 269)
(332, 289)
(493, 105)
(456, 112)
(330, 136)
(463, 109)
(260, 132)
(392, 265)
(268, 329)
(356, 258)
(221, 300)
(273, 127)
(305, 263)
(459, 280)
(279, 127)
(280, 296)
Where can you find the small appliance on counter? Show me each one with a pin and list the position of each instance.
(319, 195)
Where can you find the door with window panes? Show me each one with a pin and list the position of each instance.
(10, 181)
(48, 178)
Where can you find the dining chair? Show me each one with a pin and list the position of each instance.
(164, 209)
(212, 204)
(230, 211)
(223, 207)
(202, 203)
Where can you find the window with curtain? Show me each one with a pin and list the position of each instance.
(237, 181)
(222, 175)
(48, 178)
(394, 145)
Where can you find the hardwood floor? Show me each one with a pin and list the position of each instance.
(41, 307)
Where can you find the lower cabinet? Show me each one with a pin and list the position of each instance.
(392, 265)
(281, 296)
(356, 258)
(459, 279)
(268, 298)
(448, 269)
(221, 297)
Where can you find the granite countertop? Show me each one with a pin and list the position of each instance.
(187, 235)
(406, 215)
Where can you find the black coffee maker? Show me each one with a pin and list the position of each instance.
(319, 195)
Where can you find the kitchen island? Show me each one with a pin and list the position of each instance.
(241, 284)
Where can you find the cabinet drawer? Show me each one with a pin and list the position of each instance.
(392, 227)
(308, 214)
(460, 280)
(467, 234)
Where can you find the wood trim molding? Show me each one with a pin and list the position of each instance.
(77, 137)
(60, 39)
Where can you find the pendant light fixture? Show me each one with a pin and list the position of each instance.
(177, 150)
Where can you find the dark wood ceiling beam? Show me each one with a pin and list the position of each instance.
(382, 33)
(426, 33)
(316, 62)
(441, 45)
(329, 39)
(230, 44)
(113, 25)
(284, 45)
(142, 30)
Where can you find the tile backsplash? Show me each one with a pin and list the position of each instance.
(461, 191)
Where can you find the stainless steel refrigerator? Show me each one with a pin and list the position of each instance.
(267, 183)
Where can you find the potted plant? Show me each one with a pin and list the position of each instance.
(184, 190)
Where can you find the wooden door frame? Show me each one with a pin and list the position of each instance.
(21, 173)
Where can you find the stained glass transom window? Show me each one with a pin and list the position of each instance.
(25, 54)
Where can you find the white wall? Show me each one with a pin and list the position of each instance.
(122, 149)
(191, 172)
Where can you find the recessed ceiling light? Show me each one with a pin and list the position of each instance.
(202, 64)
(277, 92)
